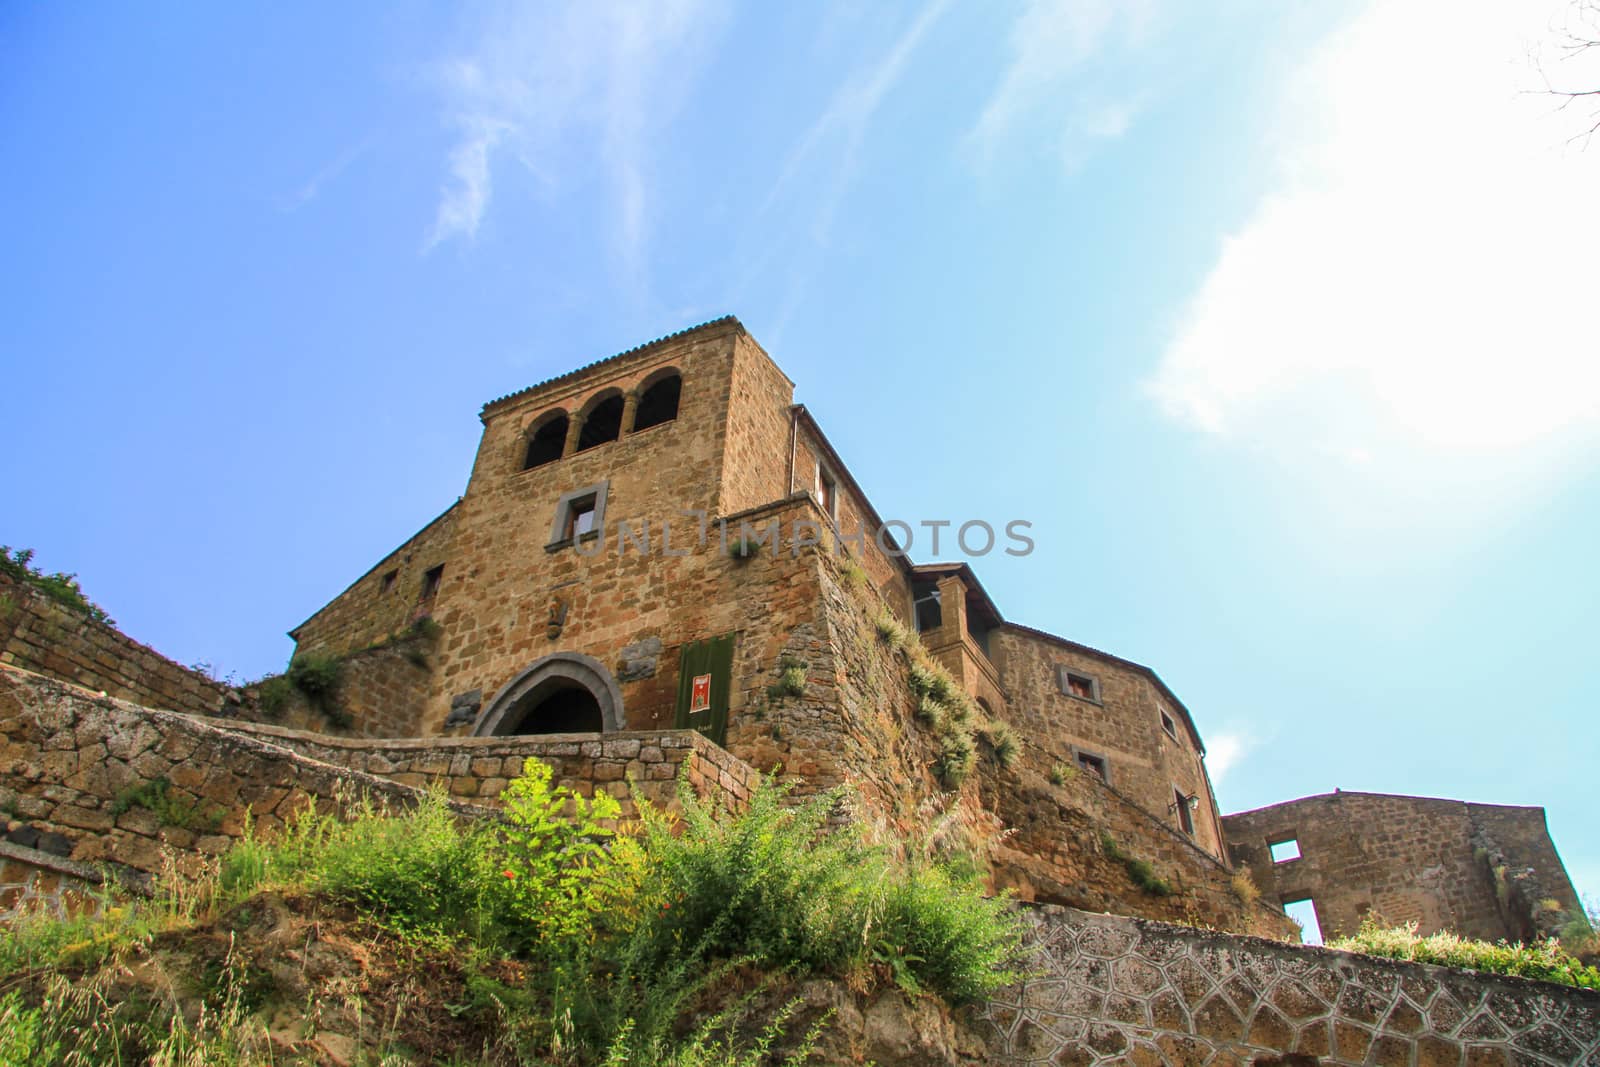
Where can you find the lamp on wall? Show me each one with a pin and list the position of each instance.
(1192, 802)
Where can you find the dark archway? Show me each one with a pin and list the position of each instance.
(564, 688)
(602, 422)
(546, 443)
(658, 403)
(559, 707)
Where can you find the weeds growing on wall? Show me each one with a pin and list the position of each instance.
(580, 944)
(1140, 873)
(63, 589)
(1545, 961)
(155, 796)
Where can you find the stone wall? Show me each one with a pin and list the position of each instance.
(34, 881)
(1117, 990)
(1481, 870)
(479, 768)
(39, 635)
(382, 692)
(73, 762)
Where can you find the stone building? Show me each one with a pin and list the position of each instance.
(1479, 870)
(593, 568)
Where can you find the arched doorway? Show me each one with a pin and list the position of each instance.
(565, 692)
(557, 707)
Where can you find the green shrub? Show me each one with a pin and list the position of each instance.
(957, 756)
(889, 629)
(920, 680)
(63, 589)
(273, 694)
(930, 713)
(791, 680)
(316, 675)
(1544, 961)
(426, 627)
(1003, 741)
(852, 575)
(1061, 773)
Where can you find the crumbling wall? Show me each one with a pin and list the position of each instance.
(40, 635)
(1117, 990)
(1479, 870)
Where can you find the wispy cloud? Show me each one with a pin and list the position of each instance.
(844, 123)
(328, 173)
(1420, 281)
(1067, 76)
(572, 94)
(826, 159)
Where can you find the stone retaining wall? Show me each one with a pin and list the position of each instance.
(40, 635)
(478, 768)
(1113, 989)
(73, 762)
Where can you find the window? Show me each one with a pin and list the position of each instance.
(1168, 725)
(1184, 804)
(828, 492)
(580, 514)
(1285, 850)
(1304, 912)
(925, 599)
(1093, 764)
(603, 423)
(547, 442)
(430, 582)
(386, 583)
(1077, 684)
(580, 518)
(658, 403)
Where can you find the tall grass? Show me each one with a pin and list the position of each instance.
(618, 937)
(1544, 960)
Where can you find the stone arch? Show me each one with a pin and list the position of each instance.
(601, 419)
(658, 398)
(544, 440)
(546, 677)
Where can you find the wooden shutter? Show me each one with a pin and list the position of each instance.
(713, 657)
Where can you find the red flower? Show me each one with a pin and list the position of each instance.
(510, 874)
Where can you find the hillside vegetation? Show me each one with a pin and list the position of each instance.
(414, 937)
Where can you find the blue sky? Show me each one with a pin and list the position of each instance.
(1275, 323)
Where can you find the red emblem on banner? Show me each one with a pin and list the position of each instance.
(700, 695)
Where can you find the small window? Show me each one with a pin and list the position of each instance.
(1304, 913)
(580, 514)
(930, 616)
(430, 582)
(1077, 684)
(1285, 850)
(580, 518)
(658, 403)
(386, 583)
(1095, 765)
(828, 493)
(1168, 725)
(1184, 804)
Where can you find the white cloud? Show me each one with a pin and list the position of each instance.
(330, 172)
(573, 94)
(1421, 278)
(1054, 44)
(1224, 751)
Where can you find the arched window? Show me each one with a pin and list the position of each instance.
(547, 442)
(603, 422)
(658, 403)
